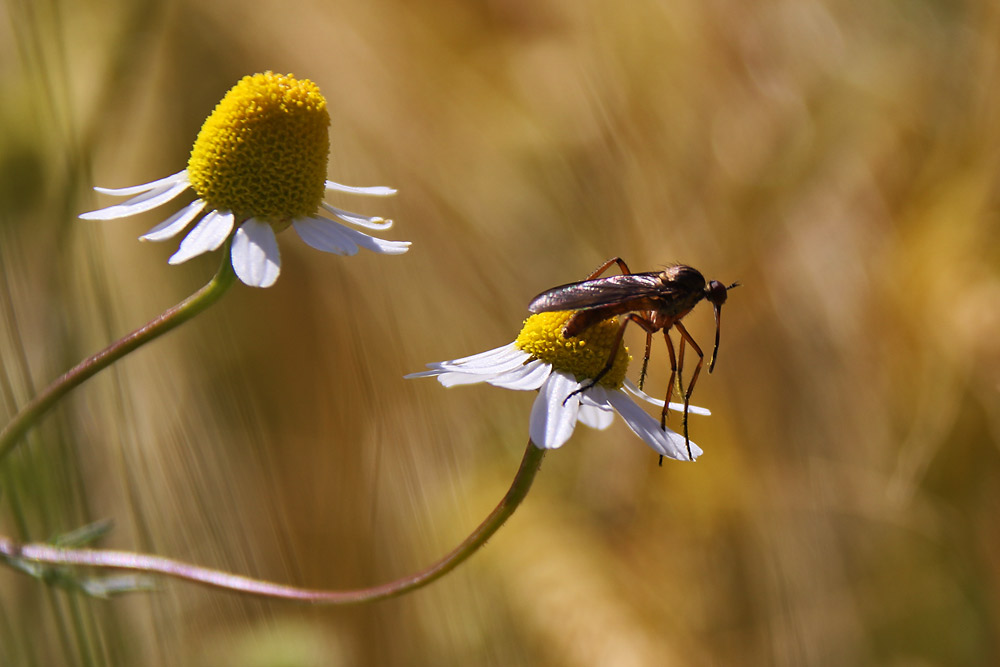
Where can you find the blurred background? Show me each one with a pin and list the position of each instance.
(839, 158)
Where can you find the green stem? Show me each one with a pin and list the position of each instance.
(168, 320)
(126, 560)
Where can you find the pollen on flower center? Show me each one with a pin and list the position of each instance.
(584, 356)
(262, 152)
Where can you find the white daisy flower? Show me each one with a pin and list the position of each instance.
(259, 166)
(559, 368)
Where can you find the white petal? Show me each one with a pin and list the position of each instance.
(500, 356)
(552, 422)
(256, 259)
(679, 407)
(355, 219)
(664, 442)
(596, 395)
(176, 223)
(595, 410)
(483, 367)
(498, 359)
(526, 377)
(330, 236)
(453, 379)
(596, 416)
(139, 204)
(373, 191)
(207, 235)
(145, 187)
(380, 246)
(325, 235)
(423, 374)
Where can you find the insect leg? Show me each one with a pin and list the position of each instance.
(680, 367)
(676, 376)
(673, 376)
(685, 336)
(670, 385)
(607, 265)
(631, 317)
(645, 358)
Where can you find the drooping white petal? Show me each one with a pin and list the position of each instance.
(595, 410)
(176, 223)
(596, 395)
(330, 236)
(370, 222)
(526, 377)
(679, 407)
(664, 442)
(372, 191)
(139, 204)
(596, 416)
(255, 255)
(380, 246)
(374, 244)
(553, 414)
(325, 235)
(207, 235)
(144, 187)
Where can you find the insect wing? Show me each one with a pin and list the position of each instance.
(599, 293)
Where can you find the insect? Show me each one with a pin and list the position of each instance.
(656, 301)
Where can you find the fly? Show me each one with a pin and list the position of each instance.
(656, 301)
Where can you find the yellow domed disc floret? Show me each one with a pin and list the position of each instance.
(263, 151)
(584, 356)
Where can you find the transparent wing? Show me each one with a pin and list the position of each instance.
(601, 293)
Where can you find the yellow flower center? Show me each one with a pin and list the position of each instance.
(584, 356)
(263, 151)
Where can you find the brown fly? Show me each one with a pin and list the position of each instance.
(656, 301)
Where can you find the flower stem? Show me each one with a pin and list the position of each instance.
(171, 318)
(126, 560)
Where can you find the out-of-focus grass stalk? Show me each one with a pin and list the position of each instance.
(166, 321)
(13, 498)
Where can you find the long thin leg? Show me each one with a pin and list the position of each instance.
(646, 325)
(685, 336)
(622, 266)
(673, 377)
(670, 385)
(645, 358)
(676, 376)
(680, 366)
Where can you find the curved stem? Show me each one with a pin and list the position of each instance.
(166, 321)
(125, 560)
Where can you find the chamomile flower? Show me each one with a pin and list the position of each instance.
(258, 166)
(540, 358)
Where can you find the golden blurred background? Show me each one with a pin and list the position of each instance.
(839, 158)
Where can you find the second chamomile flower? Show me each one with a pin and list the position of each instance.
(541, 359)
(259, 166)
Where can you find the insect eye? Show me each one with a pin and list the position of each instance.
(716, 292)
